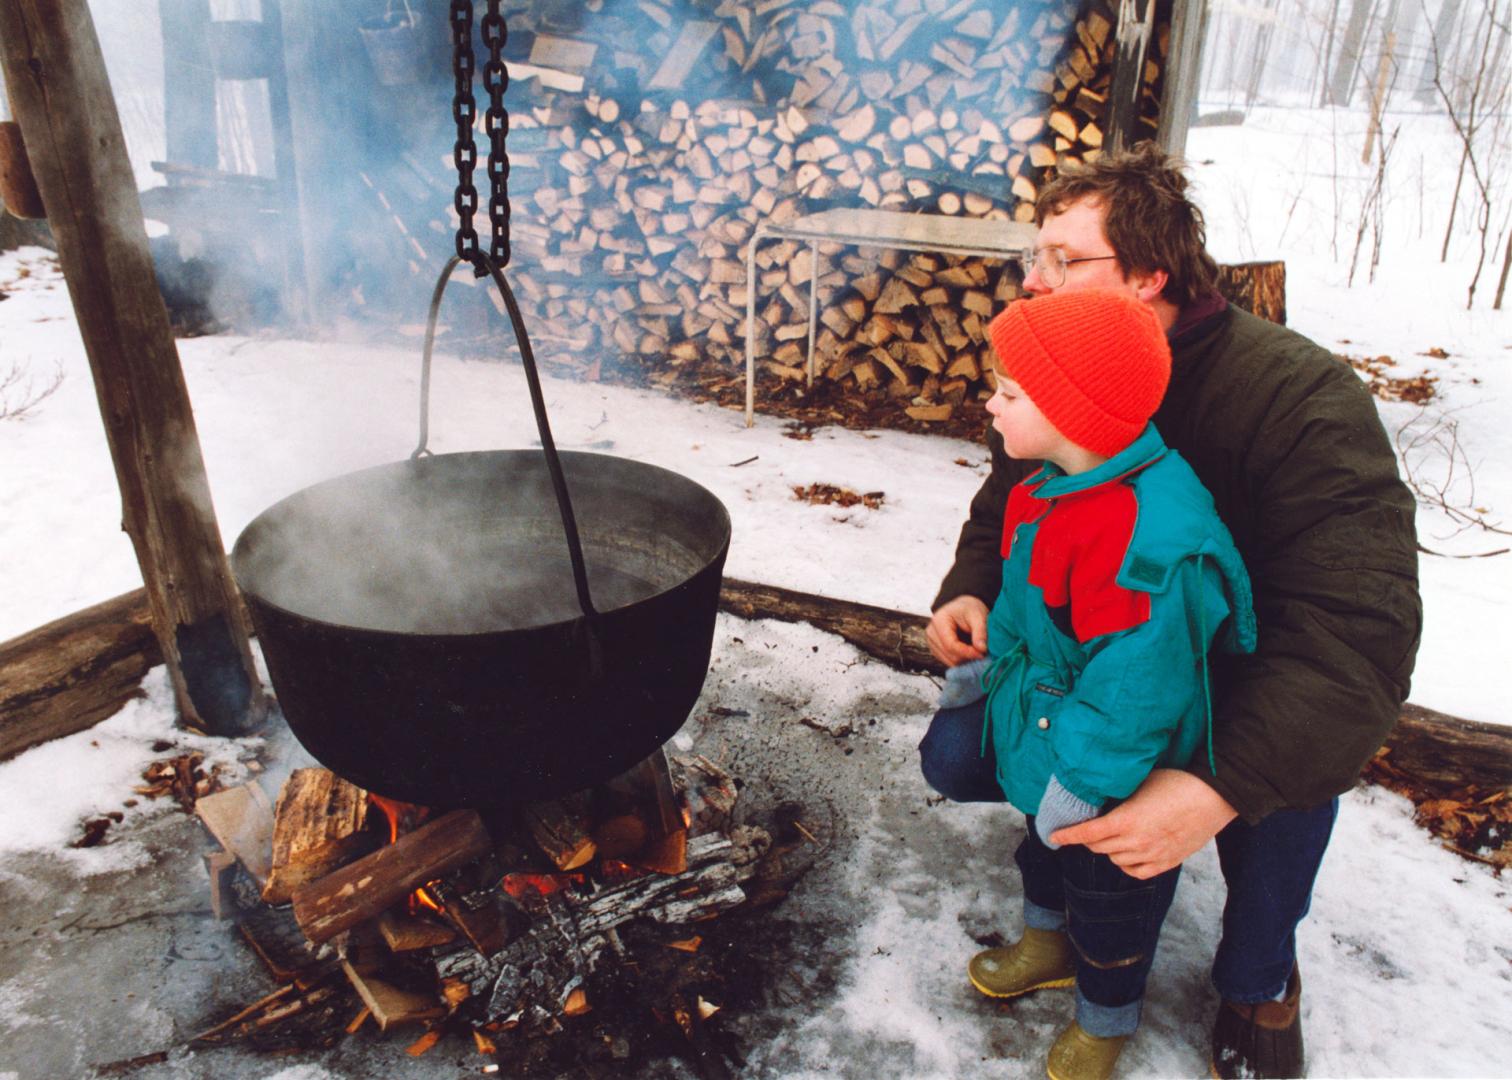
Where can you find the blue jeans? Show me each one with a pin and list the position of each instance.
(1269, 867)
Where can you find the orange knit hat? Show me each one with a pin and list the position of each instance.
(1094, 361)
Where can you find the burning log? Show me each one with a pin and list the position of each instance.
(533, 977)
(391, 1005)
(407, 933)
(561, 829)
(362, 889)
(278, 942)
(318, 825)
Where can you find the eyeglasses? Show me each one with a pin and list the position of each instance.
(1052, 263)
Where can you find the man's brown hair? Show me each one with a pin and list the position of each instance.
(1150, 222)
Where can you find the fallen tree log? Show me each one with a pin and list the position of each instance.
(70, 674)
(1425, 744)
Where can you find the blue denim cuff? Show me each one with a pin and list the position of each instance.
(1106, 1021)
(1043, 918)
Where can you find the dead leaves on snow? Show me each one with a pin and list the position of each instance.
(1473, 821)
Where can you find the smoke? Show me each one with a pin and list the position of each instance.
(347, 223)
(461, 545)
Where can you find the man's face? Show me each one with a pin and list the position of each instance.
(1076, 233)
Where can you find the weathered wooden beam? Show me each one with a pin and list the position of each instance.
(1136, 26)
(61, 95)
(71, 674)
(46, 696)
(1427, 744)
(894, 637)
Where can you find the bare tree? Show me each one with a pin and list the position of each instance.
(1371, 216)
(1474, 100)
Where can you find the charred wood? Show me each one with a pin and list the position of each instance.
(360, 890)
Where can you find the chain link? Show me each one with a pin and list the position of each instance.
(465, 151)
(496, 125)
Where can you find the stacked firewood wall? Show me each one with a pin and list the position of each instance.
(636, 193)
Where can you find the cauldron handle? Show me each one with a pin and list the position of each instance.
(538, 403)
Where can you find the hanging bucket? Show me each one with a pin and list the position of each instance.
(18, 187)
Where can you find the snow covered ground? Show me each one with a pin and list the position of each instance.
(1409, 952)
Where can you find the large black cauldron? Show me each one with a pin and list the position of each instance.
(427, 631)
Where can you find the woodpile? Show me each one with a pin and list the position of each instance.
(648, 141)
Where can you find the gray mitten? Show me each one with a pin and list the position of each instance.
(963, 684)
(1059, 808)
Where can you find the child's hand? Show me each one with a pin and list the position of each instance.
(957, 631)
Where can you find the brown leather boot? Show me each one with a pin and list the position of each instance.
(1262, 1040)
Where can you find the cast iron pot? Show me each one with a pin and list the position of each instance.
(428, 627)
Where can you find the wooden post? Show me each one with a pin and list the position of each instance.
(1136, 26)
(1182, 74)
(61, 95)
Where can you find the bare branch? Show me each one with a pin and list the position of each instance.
(20, 393)
(1437, 470)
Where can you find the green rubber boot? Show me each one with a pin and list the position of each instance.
(1040, 960)
(1079, 1056)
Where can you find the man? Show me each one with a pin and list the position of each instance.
(1289, 443)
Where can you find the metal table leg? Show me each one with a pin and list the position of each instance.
(813, 305)
(750, 412)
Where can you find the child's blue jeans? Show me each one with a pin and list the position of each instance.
(1269, 867)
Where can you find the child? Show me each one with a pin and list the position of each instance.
(1118, 577)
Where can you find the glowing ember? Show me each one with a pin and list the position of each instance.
(521, 885)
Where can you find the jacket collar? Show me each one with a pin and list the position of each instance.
(1194, 317)
(1049, 482)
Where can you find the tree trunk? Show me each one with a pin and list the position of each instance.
(1341, 86)
(1325, 58)
(1501, 284)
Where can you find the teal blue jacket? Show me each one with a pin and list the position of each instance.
(1116, 584)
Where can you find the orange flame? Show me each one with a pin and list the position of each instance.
(421, 898)
(402, 816)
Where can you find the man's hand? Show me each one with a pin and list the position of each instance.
(957, 632)
(1169, 816)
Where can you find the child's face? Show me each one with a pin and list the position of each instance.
(1025, 431)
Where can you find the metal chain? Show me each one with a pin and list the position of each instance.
(465, 151)
(496, 125)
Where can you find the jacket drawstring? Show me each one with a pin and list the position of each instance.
(1207, 684)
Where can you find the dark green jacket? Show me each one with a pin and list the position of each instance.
(1288, 441)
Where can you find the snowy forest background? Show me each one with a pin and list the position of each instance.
(1393, 62)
